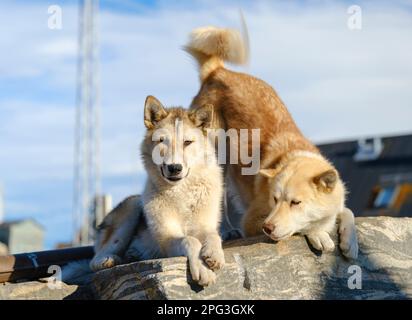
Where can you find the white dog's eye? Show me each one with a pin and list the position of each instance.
(275, 199)
(295, 203)
(187, 142)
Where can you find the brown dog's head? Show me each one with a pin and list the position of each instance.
(304, 192)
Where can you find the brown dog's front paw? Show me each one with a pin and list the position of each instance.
(321, 241)
(348, 242)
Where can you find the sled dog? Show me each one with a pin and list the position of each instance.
(179, 211)
(296, 190)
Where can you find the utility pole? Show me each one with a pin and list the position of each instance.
(87, 135)
(1, 204)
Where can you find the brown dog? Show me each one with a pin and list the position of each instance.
(297, 190)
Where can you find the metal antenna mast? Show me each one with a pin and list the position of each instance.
(87, 139)
(1, 204)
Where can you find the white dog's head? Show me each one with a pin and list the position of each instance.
(304, 191)
(175, 141)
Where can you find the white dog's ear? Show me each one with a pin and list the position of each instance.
(268, 173)
(326, 181)
(153, 112)
(202, 116)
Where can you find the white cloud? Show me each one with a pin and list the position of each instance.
(30, 49)
(61, 47)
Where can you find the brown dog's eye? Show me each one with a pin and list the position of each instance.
(187, 142)
(295, 203)
(275, 199)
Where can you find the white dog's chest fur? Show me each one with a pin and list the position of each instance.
(186, 203)
(195, 195)
(187, 206)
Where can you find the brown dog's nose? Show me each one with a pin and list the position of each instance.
(268, 228)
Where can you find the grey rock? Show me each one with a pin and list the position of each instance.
(40, 290)
(258, 268)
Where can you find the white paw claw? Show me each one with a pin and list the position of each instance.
(213, 257)
(104, 262)
(201, 273)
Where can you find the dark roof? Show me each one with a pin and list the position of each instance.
(394, 147)
(362, 176)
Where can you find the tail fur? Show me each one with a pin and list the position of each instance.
(211, 46)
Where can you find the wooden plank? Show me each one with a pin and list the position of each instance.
(34, 265)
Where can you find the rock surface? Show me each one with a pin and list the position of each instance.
(258, 268)
(39, 290)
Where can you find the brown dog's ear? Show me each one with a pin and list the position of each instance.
(153, 112)
(202, 116)
(268, 173)
(326, 181)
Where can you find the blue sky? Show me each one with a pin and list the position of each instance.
(337, 83)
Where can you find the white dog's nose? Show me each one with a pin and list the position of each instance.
(175, 169)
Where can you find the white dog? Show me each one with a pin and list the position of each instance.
(179, 211)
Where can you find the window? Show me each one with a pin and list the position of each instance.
(385, 197)
(390, 196)
(369, 149)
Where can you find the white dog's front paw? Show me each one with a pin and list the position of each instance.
(348, 241)
(104, 262)
(321, 241)
(201, 273)
(213, 256)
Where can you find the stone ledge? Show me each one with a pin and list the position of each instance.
(258, 268)
(39, 290)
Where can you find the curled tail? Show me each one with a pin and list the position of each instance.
(211, 46)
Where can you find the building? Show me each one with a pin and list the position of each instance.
(377, 173)
(3, 249)
(22, 236)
